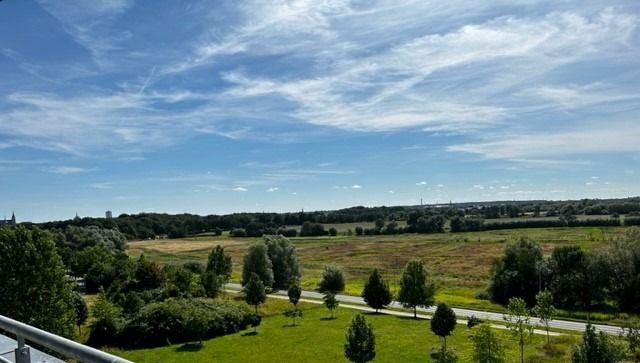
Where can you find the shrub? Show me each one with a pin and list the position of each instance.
(168, 322)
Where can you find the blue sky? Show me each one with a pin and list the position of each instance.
(223, 106)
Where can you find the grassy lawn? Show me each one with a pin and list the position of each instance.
(459, 262)
(317, 339)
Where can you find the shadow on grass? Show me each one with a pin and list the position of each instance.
(328, 318)
(249, 333)
(408, 318)
(189, 347)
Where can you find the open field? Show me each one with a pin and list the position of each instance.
(317, 339)
(459, 262)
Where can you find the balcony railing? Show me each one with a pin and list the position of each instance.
(63, 346)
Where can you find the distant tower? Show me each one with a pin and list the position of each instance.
(13, 218)
(77, 217)
(108, 214)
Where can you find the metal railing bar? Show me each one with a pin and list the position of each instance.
(64, 346)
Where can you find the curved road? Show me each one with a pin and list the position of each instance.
(465, 313)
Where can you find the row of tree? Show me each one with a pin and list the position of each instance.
(576, 278)
(150, 225)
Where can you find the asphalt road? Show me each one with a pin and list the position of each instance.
(460, 313)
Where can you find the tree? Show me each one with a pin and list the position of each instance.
(443, 323)
(624, 262)
(33, 284)
(294, 293)
(254, 291)
(376, 291)
(284, 260)
(544, 310)
(82, 311)
(360, 345)
(579, 278)
(210, 283)
(220, 263)
(632, 335)
(107, 318)
(595, 348)
(148, 274)
(257, 261)
(330, 302)
(197, 324)
(519, 322)
(333, 231)
(332, 280)
(486, 346)
(516, 274)
(415, 287)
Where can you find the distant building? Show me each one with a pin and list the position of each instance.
(108, 214)
(9, 222)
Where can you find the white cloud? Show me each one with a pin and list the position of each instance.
(422, 183)
(356, 186)
(66, 170)
(240, 189)
(478, 186)
(273, 189)
(440, 185)
(102, 185)
(609, 138)
(87, 23)
(393, 85)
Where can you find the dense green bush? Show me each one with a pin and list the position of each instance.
(168, 322)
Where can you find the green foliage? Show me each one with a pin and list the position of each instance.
(433, 224)
(376, 291)
(518, 321)
(107, 320)
(257, 261)
(486, 345)
(294, 293)
(332, 280)
(81, 309)
(210, 283)
(309, 229)
(182, 320)
(284, 260)
(360, 344)
(623, 261)
(33, 283)
(220, 263)
(148, 274)
(416, 289)
(516, 273)
(443, 323)
(333, 231)
(544, 310)
(81, 261)
(182, 282)
(596, 348)
(254, 292)
(579, 278)
(293, 313)
(79, 238)
(330, 302)
(632, 337)
(444, 355)
(254, 319)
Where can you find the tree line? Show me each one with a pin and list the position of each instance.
(576, 278)
(150, 225)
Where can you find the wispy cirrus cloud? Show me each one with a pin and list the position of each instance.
(66, 170)
(392, 89)
(557, 146)
(88, 23)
